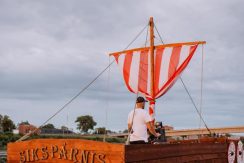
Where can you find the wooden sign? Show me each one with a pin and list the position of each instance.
(64, 151)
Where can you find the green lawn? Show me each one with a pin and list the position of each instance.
(6, 138)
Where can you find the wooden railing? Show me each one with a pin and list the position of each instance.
(202, 131)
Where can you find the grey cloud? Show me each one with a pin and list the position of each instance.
(51, 49)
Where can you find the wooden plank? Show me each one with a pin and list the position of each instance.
(178, 160)
(176, 152)
(188, 132)
(204, 131)
(64, 151)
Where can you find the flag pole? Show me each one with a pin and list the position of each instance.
(152, 102)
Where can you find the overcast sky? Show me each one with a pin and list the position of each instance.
(50, 50)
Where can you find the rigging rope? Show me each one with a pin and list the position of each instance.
(146, 36)
(78, 94)
(201, 86)
(136, 37)
(107, 108)
(199, 113)
(158, 33)
(65, 105)
(195, 106)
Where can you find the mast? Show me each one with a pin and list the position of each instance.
(151, 24)
(152, 54)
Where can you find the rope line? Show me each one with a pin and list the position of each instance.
(65, 105)
(201, 86)
(146, 36)
(195, 105)
(108, 104)
(158, 34)
(78, 94)
(136, 37)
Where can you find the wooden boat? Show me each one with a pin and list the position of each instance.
(144, 77)
(84, 151)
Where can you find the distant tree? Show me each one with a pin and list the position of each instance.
(85, 123)
(48, 126)
(1, 126)
(64, 128)
(110, 132)
(228, 135)
(242, 139)
(7, 124)
(24, 123)
(125, 131)
(100, 130)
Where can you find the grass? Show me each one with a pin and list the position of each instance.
(7, 138)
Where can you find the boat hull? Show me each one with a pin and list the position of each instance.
(85, 151)
(177, 153)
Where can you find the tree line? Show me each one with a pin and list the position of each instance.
(6, 124)
(84, 124)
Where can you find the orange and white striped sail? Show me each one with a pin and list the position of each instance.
(169, 62)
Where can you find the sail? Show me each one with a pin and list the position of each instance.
(169, 62)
